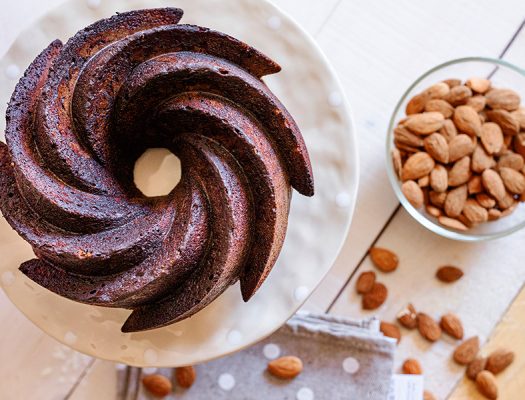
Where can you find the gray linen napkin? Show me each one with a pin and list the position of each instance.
(343, 359)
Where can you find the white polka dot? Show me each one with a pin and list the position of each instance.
(8, 278)
(271, 351)
(12, 71)
(70, 337)
(149, 370)
(92, 3)
(335, 99)
(120, 367)
(226, 381)
(305, 394)
(274, 22)
(343, 199)
(300, 293)
(351, 365)
(150, 356)
(234, 337)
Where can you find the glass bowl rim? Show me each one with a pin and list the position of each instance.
(396, 183)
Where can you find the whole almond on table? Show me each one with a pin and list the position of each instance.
(486, 384)
(498, 360)
(158, 385)
(375, 297)
(467, 351)
(428, 396)
(365, 282)
(475, 367)
(408, 317)
(412, 367)
(505, 99)
(413, 193)
(287, 367)
(428, 328)
(390, 330)
(451, 325)
(425, 123)
(185, 376)
(384, 259)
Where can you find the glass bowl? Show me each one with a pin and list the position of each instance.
(502, 75)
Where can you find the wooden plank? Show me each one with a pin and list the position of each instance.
(510, 333)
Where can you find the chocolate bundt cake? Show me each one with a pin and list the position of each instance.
(84, 112)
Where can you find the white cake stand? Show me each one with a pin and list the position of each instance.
(317, 226)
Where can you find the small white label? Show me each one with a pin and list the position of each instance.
(406, 387)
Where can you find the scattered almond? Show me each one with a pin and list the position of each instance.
(486, 384)
(467, 351)
(375, 297)
(365, 282)
(428, 328)
(408, 317)
(384, 259)
(287, 367)
(185, 376)
(390, 330)
(412, 367)
(428, 396)
(451, 325)
(498, 360)
(475, 367)
(158, 385)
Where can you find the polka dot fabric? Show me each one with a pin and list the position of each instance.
(343, 359)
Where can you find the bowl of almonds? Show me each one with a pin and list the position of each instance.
(456, 149)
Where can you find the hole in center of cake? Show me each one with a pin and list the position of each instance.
(157, 171)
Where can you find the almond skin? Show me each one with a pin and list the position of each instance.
(452, 223)
(440, 106)
(467, 120)
(417, 103)
(455, 201)
(365, 282)
(513, 180)
(477, 102)
(484, 200)
(474, 212)
(519, 115)
(439, 178)
(437, 198)
(474, 185)
(451, 325)
(408, 317)
(403, 135)
(425, 123)
(467, 351)
(505, 99)
(413, 193)
(498, 360)
(506, 121)
(158, 385)
(460, 172)
(417, 166)
(384, 259)
(449, 273)
(511, 160)
(428, 328)
(460, 146)
(375, 297)
(412, 367)
(448, 131)
(437, 147)
(475, 367)
(185, 376)
(428, 396)
(479, 85)
(287, 367)
(486, 384)
(493, 183)
(458, 95)
(491, 137)
(390, 330)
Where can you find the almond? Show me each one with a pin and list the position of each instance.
(494, 214)
(448, 131)
(474, 212)
(365, 282)
(413, 193)
(467, 351)
(449, 273)
(506, 121)
(412, 367)
(185, 376)
(434, 211)
(428, 396)
(396, 161)
(511, 160)
(408, 317)
(477, 103)
(439, 178)
(390, 330)
(403, 135)
(475, 367)
(417, 166)
(513, 180)
(428, 328)
(510, 209)
(479, 85)
(460, 172)
(287, 367)
(158, 385)
(440, 106)
(498, 360)
(485, 201)
(493, 183)
(375, 297)
(519, 143)
(425, 123)
(491, 137)
(438, 90)
(417, 103)
(451, 325)
(436, 198)
(384, 259)
(424, 181)
(437, 146)
(519, 115)
(455, 201)
(467, 120)
(506, 202)
(458, 95)
(487, 386)
(474, 185)
(452, 223)
(481, 160)
(452, 82)
(505, 99)
(460, 146)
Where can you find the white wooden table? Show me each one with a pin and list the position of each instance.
(377, 48)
